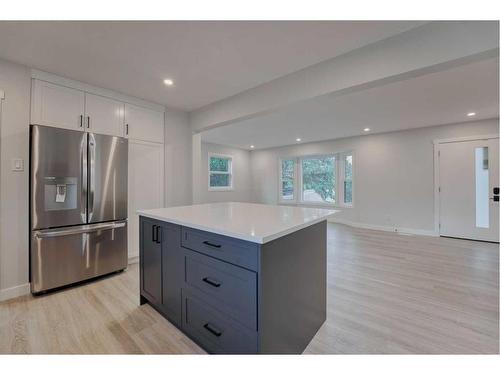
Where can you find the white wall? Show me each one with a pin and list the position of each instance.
(393, 172)
(177, 159)
(15, 81)
(242, 179)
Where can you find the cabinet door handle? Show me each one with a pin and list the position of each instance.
(212, 330)
(208, 243)
(211, 282)
(126, 129)
(153, 234)
(158, 234)
(81, 121)
(88, 122)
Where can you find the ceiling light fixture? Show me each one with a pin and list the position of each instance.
(168, 82)
(470, 114)
(298, 139)
(252, 146)
(366, 129)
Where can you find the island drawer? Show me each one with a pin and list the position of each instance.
(214, 330)
(231, 288)
(232, 250)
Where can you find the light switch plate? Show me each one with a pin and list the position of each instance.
(17, 165)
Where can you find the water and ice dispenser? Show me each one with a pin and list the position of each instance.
(60, 193)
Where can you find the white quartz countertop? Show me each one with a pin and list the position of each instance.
(258, 223)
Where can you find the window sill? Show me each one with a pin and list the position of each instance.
(221, 189)
(320, 205)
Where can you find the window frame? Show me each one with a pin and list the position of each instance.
(229, 172)
(300, 177)
(339, 179)
(342, 156)
(280, 181)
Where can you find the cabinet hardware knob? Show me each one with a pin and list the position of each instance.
(212, 330)
(208, 243)
(153, 233)
(158, 234)
(211, 282)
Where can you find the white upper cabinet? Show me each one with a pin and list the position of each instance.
(58, 106)
(103, 115)
(143, 124)
(70, 108)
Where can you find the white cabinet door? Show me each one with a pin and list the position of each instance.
(143, 123)
(54, 105)
(145, 185)
(103, 115)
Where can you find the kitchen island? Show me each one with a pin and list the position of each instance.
(237, 277)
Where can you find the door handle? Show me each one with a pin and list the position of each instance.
(81, 121)
(83, 182)
(126, 129)
(48, 233)
(88, 122)
(91, 175)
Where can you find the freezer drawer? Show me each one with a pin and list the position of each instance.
(67, 255)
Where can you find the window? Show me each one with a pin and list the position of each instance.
(317, 179)
(347, 177)
(287, 180)
(482, 187)
(220, 176)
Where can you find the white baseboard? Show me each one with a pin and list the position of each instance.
(385, 228)
(15, 291)
(133, 259)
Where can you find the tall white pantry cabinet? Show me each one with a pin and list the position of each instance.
(75, 108)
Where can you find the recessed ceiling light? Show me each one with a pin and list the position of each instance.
(366, 129)
(252, 146)
(168, 82)
(298, 139)
(470, 114)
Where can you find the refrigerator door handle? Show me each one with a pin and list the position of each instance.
(83, 196)
(91, 175)
(47, 233)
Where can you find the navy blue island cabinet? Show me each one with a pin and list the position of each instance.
(235, 296)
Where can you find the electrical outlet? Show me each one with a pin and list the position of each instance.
(17, 165)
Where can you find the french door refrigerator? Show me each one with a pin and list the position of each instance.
(78, 206)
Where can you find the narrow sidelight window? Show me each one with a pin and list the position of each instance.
(287, 180)
(482, 187)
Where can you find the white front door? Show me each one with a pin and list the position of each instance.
(468, 181)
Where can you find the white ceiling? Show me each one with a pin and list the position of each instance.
(433, 99)
(208, 61)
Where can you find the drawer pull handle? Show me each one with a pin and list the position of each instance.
(211, 282)
(208, 243)
(212, 330)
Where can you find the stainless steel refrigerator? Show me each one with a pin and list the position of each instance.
(78, 206)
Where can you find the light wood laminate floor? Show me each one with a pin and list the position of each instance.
(387, 293)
